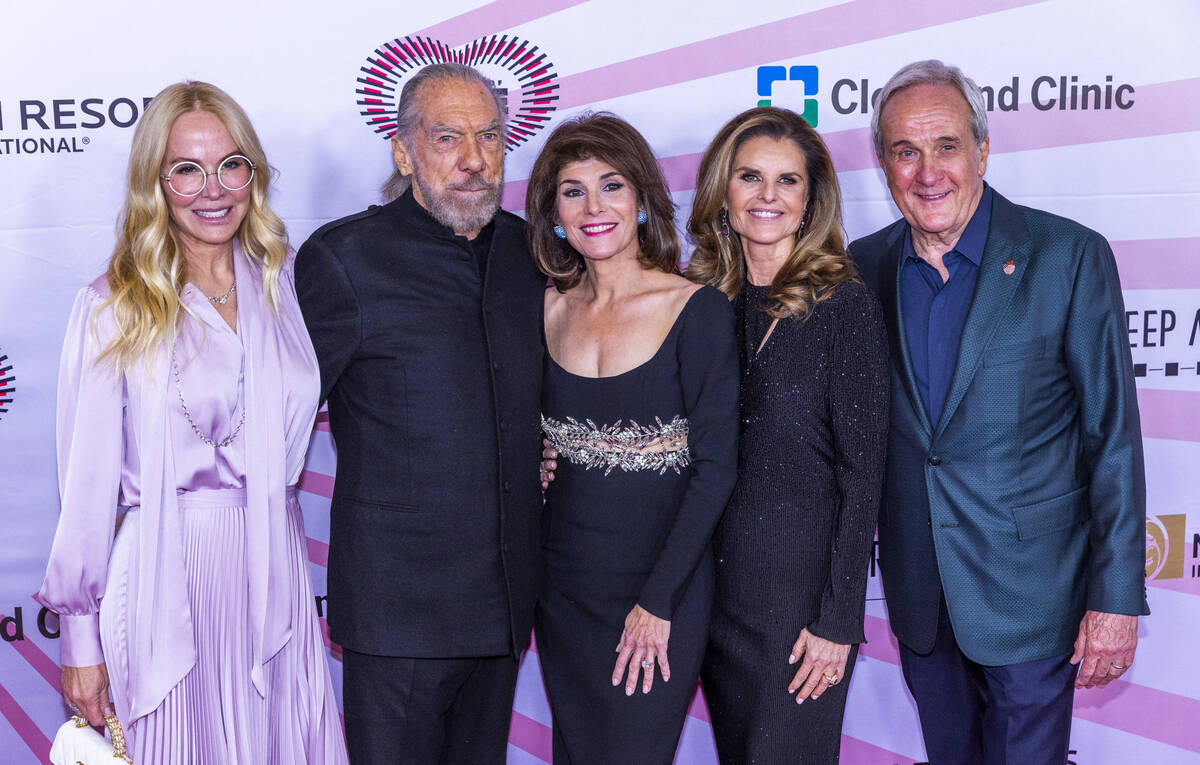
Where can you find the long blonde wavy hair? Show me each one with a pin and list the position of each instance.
(148, 268)
(818, 261)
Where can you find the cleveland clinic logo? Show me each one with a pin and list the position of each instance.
(804, 77)
(796, 87)
(521, 74)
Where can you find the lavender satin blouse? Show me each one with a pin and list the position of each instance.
(124, 441)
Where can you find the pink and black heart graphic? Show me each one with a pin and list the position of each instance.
(522, 74)
(6, 383)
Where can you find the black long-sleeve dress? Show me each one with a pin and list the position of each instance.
(793, 546)
(646, 462)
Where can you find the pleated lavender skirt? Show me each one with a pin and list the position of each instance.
(215, 714)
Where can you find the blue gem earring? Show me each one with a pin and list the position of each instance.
(560, 232)
(642, 217)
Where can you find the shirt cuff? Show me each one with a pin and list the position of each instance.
(80, 636)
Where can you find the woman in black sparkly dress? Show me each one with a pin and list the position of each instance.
(793, 546)
(640, 401)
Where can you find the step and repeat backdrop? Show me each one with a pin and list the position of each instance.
(1094, 116)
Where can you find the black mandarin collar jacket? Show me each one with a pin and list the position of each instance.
(433, 377)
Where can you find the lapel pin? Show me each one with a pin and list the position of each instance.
(1009, 267)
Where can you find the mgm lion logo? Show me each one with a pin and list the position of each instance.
(1165, 535)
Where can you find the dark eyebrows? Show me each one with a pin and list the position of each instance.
(566, 181)
(756, 171)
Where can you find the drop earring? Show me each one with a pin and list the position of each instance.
(560, 232)
(724, 219)
(642, 217)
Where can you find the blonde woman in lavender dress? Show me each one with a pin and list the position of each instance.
(187, 394)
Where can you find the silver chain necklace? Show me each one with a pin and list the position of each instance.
(221, 300)
(241, 389)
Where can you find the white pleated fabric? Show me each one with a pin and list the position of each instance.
(215, 714)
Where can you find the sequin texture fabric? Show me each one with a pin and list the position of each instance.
(632, 447)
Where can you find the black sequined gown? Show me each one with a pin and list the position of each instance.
(793, 546)
(630, 530)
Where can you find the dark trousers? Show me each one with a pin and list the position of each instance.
(973, 714)
(427, 711)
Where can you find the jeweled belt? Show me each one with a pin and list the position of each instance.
(631, 447)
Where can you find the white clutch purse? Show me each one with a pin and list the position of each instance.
(76, 743)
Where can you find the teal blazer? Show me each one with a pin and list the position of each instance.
(1025, 503)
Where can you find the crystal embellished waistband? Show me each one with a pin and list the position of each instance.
(633, 447)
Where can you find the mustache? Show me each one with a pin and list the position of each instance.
(475, 183)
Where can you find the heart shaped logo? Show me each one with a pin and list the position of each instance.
(522, 75)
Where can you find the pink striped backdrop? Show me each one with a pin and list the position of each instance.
(677, 71)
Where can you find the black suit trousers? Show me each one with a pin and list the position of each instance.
(406, 711)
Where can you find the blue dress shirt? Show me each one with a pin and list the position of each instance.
(935, 312)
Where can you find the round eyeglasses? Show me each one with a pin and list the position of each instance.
(187, 178)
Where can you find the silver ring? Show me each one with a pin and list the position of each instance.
(647, 664)
(1118, 666)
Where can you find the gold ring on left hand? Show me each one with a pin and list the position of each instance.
(831, 679)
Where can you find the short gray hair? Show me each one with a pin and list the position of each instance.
(408, 114)
(932, 72)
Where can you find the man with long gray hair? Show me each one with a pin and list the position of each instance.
(1011, 539)
(426, 316)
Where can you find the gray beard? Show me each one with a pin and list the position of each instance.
(461, 216)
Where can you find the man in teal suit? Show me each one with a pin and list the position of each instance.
(1012, 537)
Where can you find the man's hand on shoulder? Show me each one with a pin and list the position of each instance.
(1104, 649)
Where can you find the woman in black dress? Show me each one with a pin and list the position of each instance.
(640, 401)
(793, 546)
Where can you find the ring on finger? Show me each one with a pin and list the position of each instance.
(647, 664)
(1118, 666)
(832, 679)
